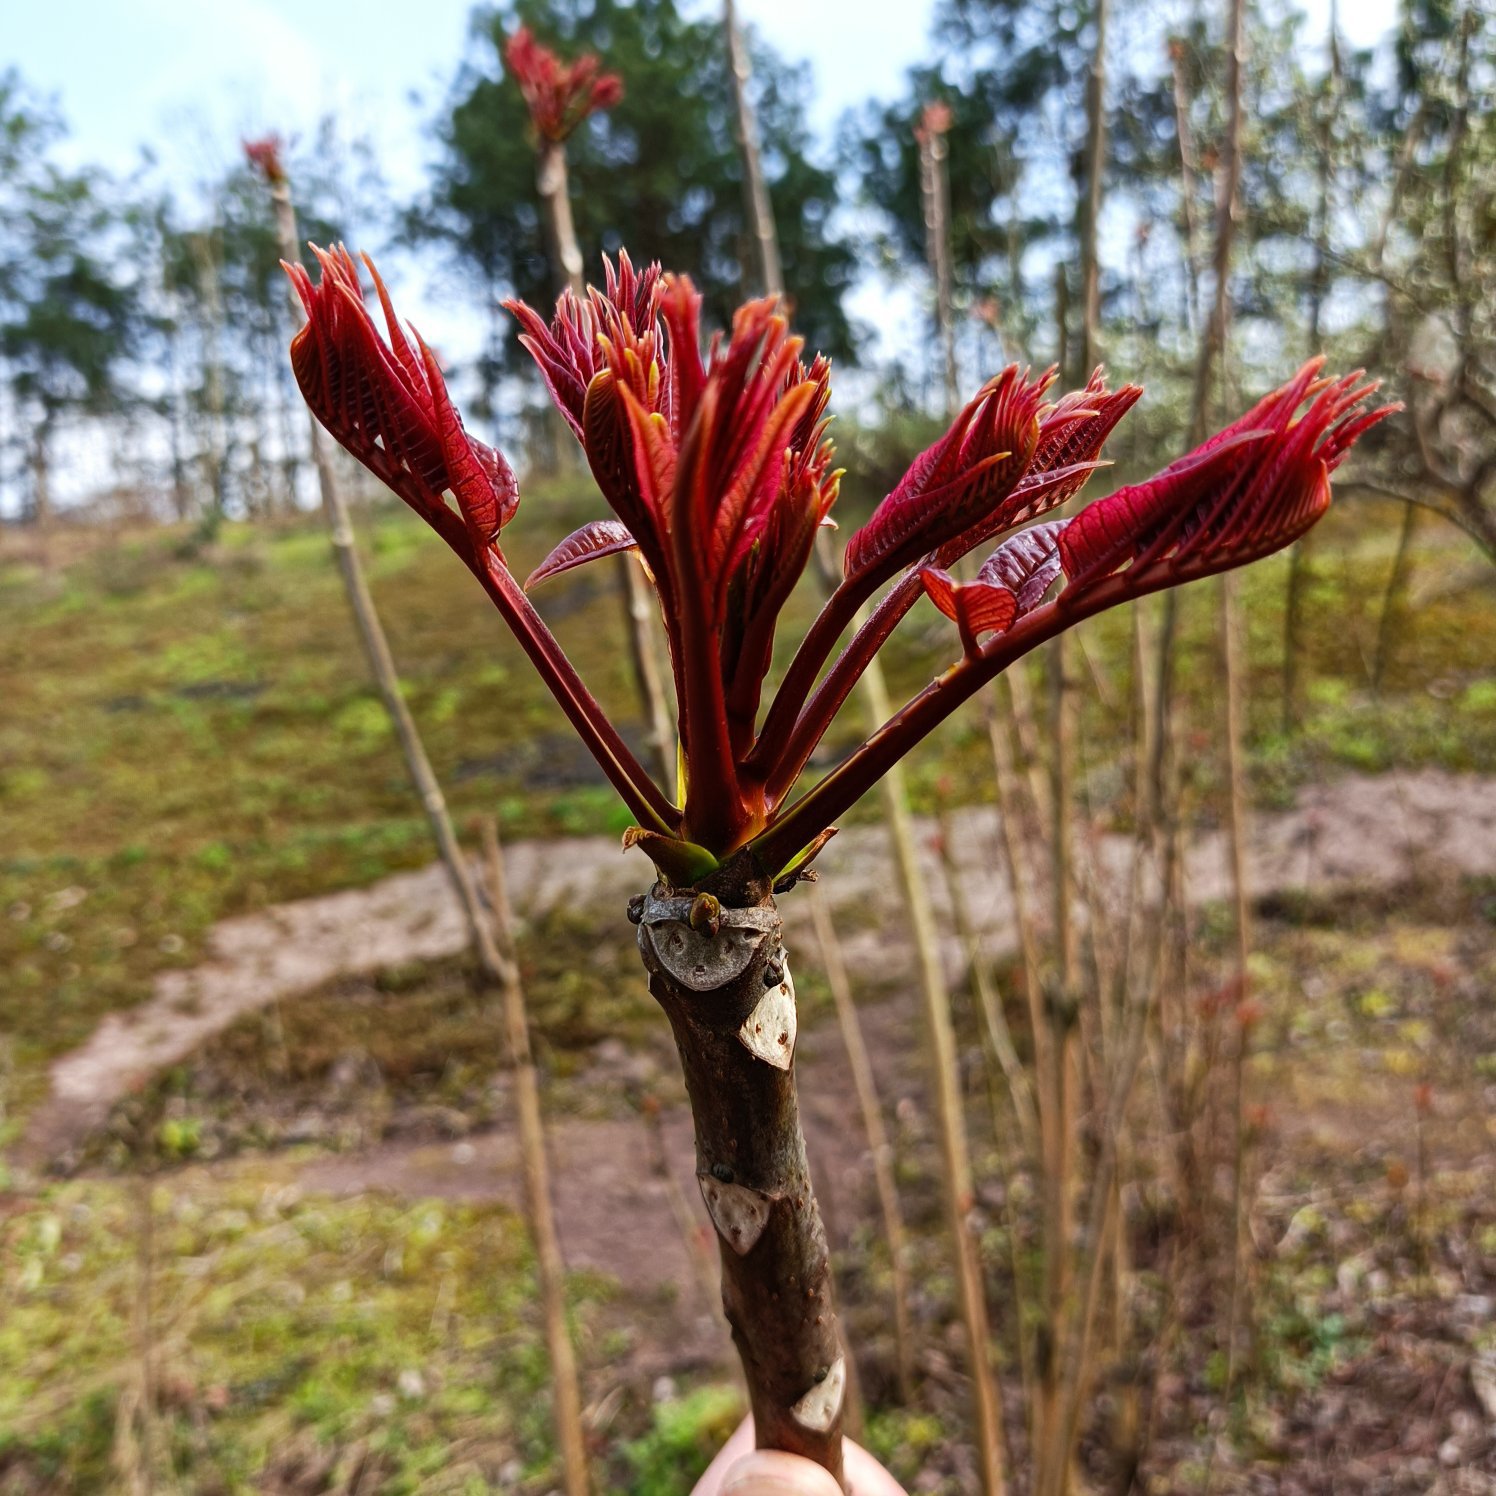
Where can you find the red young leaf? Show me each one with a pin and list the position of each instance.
(388, 405)
(976, 608)
(1250, 490)
(559, 95)
(603, 537)
(954, 485)
(1027, 564)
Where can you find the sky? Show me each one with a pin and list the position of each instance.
(189, 79)
(128, 71)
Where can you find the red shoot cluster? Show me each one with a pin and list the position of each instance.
(715, 462)
(559, 95)
(264, 156)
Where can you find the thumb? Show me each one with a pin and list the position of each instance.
(768, 1472)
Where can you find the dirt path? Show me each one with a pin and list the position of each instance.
(1370, 831)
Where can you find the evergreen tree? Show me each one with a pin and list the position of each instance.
(69, 314)
(660, 172)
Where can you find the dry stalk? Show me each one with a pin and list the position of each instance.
(994, 1022)
(756, 200)
(944, 1077)
(1010, 839)
(137, 1458)
(1095, 155)
(1020, 706)
(935, 189)
(376, 645)
(1060, 1010)
(877, 1134)
(566, 1388)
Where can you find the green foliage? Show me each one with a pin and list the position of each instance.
(70, 312)
(295, 1326)
(158, 773)
(686, 1432)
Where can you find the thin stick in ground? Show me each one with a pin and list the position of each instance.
(944, 1072)
(566, 1389)
(376, 645)
(877, 1134)
(994, 1022)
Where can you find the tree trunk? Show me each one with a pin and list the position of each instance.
(206, 251)
(936, 192)
(41, 475)
(718, 968)
(1090, 266)
(555, 201)
(756, 201)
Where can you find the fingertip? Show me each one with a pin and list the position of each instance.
(769, 1472)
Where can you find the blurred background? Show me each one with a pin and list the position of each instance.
(262, 1225)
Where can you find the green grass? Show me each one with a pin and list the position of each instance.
(282, 1329)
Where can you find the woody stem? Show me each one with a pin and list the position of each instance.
(731, 1005)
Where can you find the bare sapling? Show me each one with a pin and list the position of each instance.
(934, 184)
(1325, 108)
(1002, 1054)
(757, 204)
(1212, 353)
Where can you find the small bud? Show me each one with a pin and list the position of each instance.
(722, 1173)
(773, 972)
(636, 909)
(706, 914)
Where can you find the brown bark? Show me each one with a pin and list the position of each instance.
(555, 201)
(718, 968)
